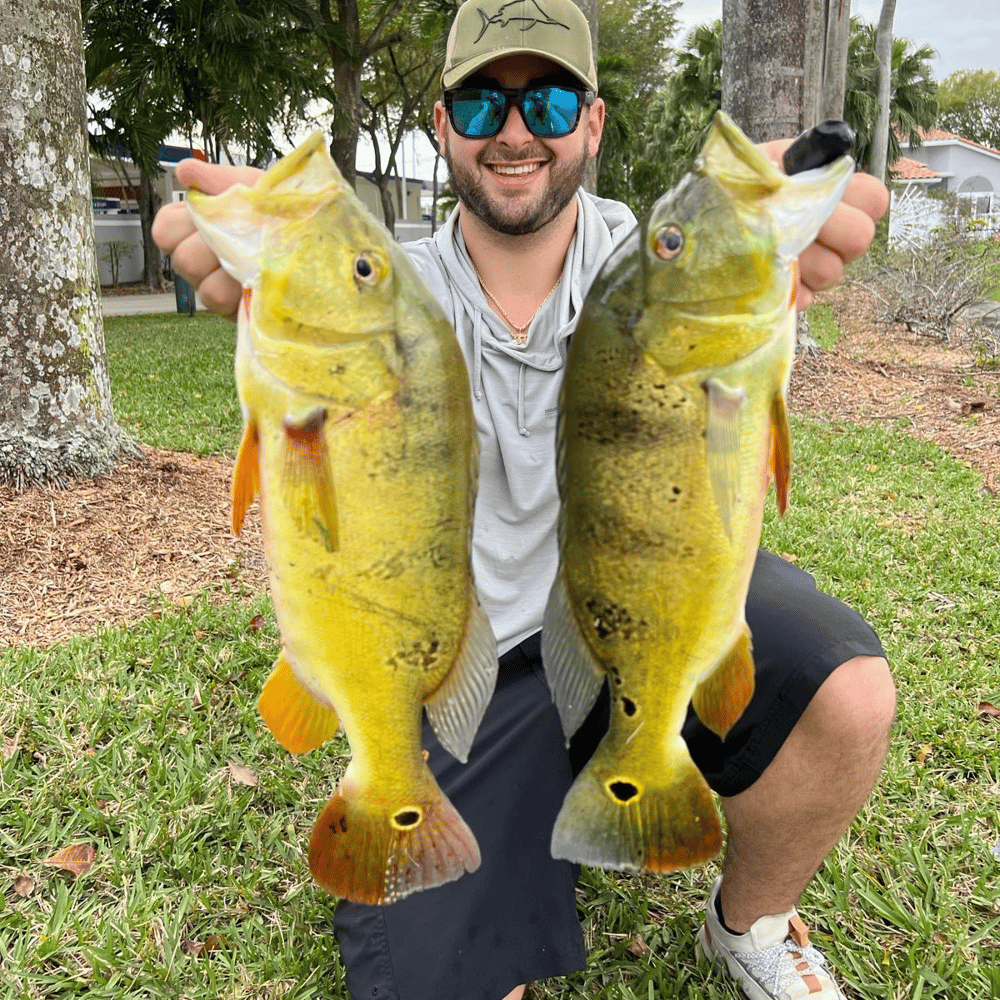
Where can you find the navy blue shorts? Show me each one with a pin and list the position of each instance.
(515, 920)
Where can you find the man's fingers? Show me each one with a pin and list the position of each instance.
(172, 225)
(214, 178)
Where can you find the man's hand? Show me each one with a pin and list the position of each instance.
(175, 233)
(846, 235)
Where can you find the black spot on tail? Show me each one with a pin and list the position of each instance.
(623, 791)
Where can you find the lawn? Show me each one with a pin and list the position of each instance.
(145, 745)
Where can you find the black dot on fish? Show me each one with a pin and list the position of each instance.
(406, 818)
(677, 491)
(628, 706)
(623, 791)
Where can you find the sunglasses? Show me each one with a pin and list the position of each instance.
(549, 112)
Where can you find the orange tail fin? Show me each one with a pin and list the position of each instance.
(369, 851)
(638, 804)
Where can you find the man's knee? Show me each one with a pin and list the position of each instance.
(856, 703)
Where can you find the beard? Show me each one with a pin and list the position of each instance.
(501, 217)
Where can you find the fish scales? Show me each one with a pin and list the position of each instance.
(360, 439)
(672, 422)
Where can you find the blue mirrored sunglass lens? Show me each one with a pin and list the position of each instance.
(477, 112)
(551, 111)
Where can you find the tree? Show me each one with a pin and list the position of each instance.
(56, 418)
(680, 115)
(969, 102)
(231, 73)
(883, 58)
(773, 58)
(838, 35)
(913, 92)
(633, 64)
(400, 88)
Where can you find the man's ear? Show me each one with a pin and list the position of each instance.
(441, 124)
(595, 126)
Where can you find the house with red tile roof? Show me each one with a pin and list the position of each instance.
(965, 168)
(944, 163)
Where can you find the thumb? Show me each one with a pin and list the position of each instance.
(214, 178)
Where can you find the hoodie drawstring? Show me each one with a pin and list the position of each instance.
(477, 355)
(521, 428)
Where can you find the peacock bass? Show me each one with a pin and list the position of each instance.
(672, 421)
(360, 439)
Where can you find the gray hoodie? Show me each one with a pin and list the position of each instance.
(515, 391)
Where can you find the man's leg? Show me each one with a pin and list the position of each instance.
(781, 828)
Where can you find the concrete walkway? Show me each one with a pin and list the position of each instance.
(136, 305)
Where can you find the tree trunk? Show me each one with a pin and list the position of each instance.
(149, 204)
(838, 35)
(772, 65)
(883, 53)
(56, 419)
(591, 10)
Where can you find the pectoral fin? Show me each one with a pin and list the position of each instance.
(722, 443)
(298, 721)
(246, 476)
(721, 697)
(781, 450)
(570, 668)
(308, 470)
(456, 708)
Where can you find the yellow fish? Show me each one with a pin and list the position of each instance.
(672, 415)
(360, 439)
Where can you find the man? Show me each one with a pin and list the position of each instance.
(518, 122)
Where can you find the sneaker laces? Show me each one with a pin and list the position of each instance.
(781, 967)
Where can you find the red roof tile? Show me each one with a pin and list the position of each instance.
(910, 170)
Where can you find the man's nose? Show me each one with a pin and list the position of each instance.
(514, 131)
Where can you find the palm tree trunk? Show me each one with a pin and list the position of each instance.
(838, 36)
(883, 53)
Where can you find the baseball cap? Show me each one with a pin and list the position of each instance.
(484, 30)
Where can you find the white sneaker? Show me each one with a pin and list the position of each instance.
(773, 960)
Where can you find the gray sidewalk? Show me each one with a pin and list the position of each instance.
(136, 305)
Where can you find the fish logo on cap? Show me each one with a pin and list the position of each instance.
(505, 15)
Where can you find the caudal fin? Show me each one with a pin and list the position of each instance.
(637, 805)
(370, 851)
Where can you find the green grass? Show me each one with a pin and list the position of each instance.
(823, 326)
(172, 380)
(123, 741)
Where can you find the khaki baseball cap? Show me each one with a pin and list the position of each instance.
(485, 30)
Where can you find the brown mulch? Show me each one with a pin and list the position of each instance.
(880, 373)
(110, 550)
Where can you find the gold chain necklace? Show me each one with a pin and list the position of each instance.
(520, 332)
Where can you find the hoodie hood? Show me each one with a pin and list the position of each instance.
(515, 392)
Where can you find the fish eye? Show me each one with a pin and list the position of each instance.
(669, 242)
(367, 269)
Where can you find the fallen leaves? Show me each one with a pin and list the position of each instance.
(214, 942)
(24, 886)
(984, 708)
(77, 858)
(242, 774)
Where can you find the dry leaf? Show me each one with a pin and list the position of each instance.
(24, 886)
(77, 858)
(242, 774)
(256, 623)
(214, 942)
(924, 752)
(985, 708)
(789, 557)
(637, 946)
